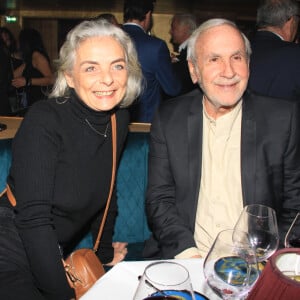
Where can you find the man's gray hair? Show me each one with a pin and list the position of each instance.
(186, 19)
(191, 48)
(275, 12)
(90, 29)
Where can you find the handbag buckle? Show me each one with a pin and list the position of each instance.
(73, 278)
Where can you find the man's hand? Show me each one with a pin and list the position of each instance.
(196, 256)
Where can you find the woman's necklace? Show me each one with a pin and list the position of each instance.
(95, 130)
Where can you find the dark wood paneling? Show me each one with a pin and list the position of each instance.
(55, 17)
(162, 6)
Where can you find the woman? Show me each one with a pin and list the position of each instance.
(10, 46)
(5, 77)
(9, 39)
(35, 75)
(62, 161)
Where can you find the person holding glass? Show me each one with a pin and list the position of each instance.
(62, 164)
(217, 149)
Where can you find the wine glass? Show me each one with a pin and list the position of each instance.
(230, 267)
(260, 223)
(165, 280)
(292, 238)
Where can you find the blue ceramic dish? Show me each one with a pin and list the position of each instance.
(181, 295)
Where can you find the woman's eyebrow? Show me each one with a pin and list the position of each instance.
(92, 62)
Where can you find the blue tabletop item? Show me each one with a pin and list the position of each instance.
(180, 295)
(235, 268)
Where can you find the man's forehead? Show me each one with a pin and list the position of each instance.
(220, 30)
(225, 34)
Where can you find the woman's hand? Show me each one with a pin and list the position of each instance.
(18, 82)
(120, 251)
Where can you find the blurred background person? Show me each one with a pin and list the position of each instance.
(111, 18)
(35, 75)
(62, 164)
(275, 59)
(15, 61)
(182, 26)
(5, 79)
(11, 44)
(154, 58)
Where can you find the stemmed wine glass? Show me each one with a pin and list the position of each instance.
(260, 223)
(165, 280)
(292, 238)
(230, 267)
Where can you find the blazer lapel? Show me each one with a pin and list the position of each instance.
(195, 151)
(248, 151)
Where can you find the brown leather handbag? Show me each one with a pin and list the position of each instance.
(83, 267)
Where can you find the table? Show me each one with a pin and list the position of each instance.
(13, 124)
(122, 280)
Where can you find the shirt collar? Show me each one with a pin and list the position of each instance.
(134, 24)
(230, 115)
(182, 45)
(274, 33)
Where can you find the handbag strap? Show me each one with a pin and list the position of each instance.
(113, 175)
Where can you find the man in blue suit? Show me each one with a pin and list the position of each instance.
(154, 57)
(275, 59)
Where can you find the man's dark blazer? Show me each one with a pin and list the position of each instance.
(274, 66)
(270, 166)
(182, 70)
(155, 61)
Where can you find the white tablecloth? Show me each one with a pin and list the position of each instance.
(122, 280)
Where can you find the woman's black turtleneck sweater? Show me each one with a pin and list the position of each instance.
(61, 172)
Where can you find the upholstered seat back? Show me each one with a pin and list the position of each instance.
(131, 224)
(5, 162)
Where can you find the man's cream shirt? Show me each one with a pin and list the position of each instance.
(220, 199)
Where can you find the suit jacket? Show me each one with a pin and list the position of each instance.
(182, 70)
(270, 166)
(155, 60)
(274, 66)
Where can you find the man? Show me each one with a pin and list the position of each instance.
(111, 18)
(182, 26)
(275, 59)
(214, 152)
(154, 57)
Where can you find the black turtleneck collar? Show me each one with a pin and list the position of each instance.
(83, 111)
